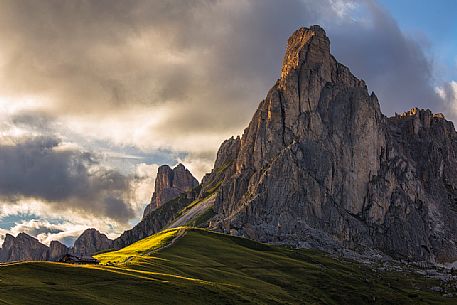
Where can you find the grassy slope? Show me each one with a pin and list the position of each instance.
(208, 268)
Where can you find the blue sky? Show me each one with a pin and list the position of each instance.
(437, 21)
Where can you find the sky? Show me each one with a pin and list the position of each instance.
(95, 95)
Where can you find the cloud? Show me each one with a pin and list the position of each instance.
(53, 190)
(50, 226)
(188, 67)
(67, 179)
(46, 231)
(3, 232)
(448, 93)
(42, 220)
(393, 65)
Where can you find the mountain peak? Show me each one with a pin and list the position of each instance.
(169, 184)
(23, 247)
(91, 241)
(299, 45)
(319, 165)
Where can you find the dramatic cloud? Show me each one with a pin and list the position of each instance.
(64, 231)
(179, 72)
(3, 232)
(47, 220)
(38, 168)
(392, 64)
(448, 93)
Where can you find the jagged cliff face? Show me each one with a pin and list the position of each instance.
(22, 248)
(319, 165)
(25, 247)
(57, 250)
(411, 203)
(156, 220)
(169, 184)
(174, 189)
(91, 241)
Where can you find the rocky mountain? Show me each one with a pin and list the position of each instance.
(22, 248)
(157, 219)
(25, 247)
(169, 184)
(91, 241)
(57, 250)
(320, 166)
(174, 189)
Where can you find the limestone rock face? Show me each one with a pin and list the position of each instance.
(90, 242)
(22, 248)
(57, 250)
(169, 184)
(319, 165)
(223, 167)
(26, 248)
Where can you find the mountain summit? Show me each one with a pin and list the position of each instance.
(169, 184)
(320, 166)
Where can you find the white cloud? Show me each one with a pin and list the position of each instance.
(143, 185)
(3, 232)
(65, 223)
(198, 165)
(343, 8)
(49, 224)
(448, 93)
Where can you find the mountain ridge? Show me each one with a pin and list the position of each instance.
(24, 247)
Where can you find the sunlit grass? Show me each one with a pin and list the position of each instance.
(143, 247)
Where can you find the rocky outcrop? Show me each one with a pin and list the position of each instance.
(57, 250)
(223, 166)
(169, 184)
(174, 190)
(26, 248)
(320, 166)
(157, 219)
(22, 248)
(91, 241)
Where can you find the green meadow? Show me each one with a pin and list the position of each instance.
(195, 266)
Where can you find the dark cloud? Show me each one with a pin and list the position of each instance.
(207, 57)
(36, 121)
(66, 179)
(392, 64)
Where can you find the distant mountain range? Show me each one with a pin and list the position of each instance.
(169, 185)
(26, 248)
